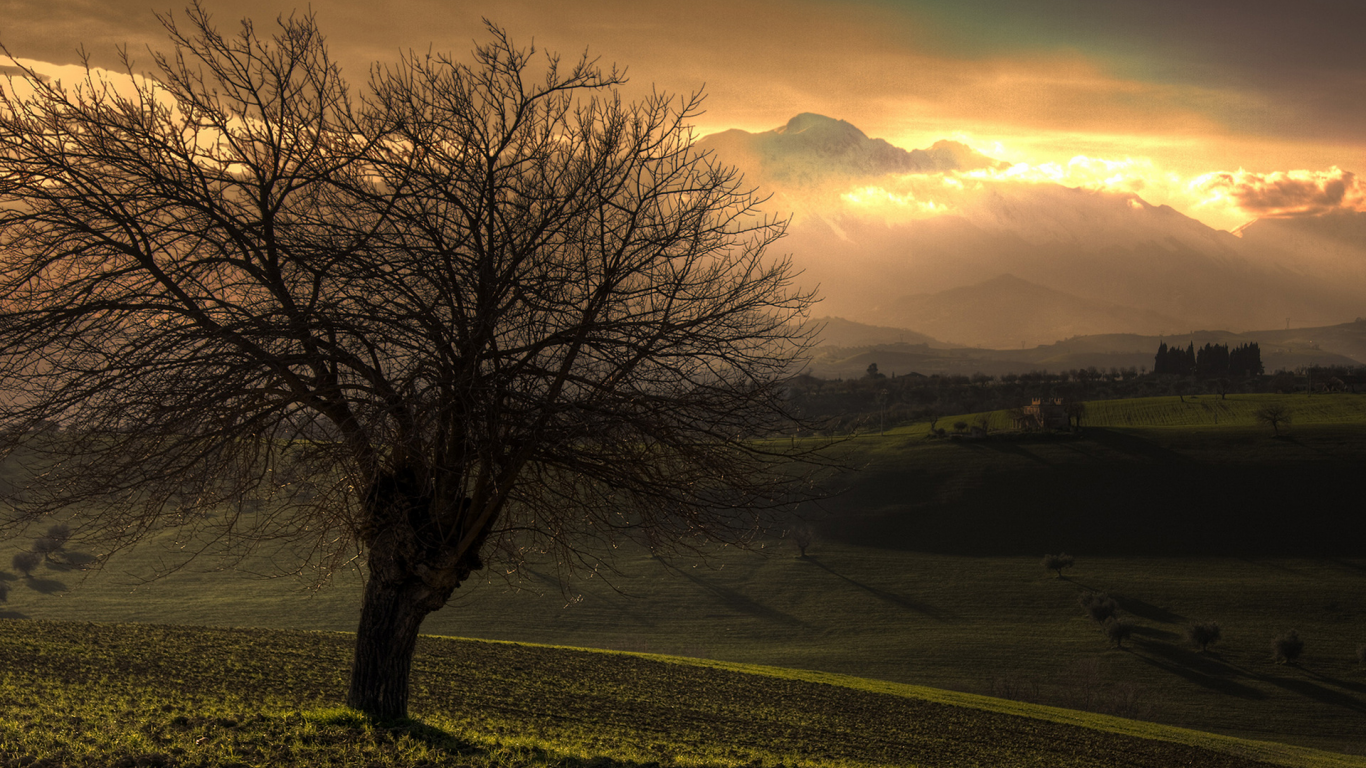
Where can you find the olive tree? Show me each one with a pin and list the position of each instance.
(1058, 562)
(463, 315)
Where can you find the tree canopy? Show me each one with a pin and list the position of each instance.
(476, 311)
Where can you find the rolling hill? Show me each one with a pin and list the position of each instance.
(1021, 311)
(925, 570)
(92, 695)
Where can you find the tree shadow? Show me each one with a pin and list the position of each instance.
(12, 615)
(1153, 633)
(71, 561)
(1010, 448)
(1201, 669)
(738, 601)
(1148, 611)
(1345, 684)
(1317, 692)
(1134, 446)
(414, 729)
(429, 735)
(45, 586)
(894, 599)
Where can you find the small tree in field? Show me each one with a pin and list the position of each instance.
(1288, 647)
(1118, 630)
(1058, 562)
(1203, 634)
(1098, 605)
(1273, 415)
(481, 312)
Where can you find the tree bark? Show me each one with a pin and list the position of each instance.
(414, 564)
(392, 611)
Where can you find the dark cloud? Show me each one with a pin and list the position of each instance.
(1289, 193)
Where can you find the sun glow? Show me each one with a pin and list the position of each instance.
(1221, 199)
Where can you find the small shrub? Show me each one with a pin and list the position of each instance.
(25, 562)
(959, 426)
(1058, 562)
(1118, 630)
(45, 546)
(1099, 606)
(1203, 634)
(1288, 647)
(1361, 653)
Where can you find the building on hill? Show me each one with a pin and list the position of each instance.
(1042, 413)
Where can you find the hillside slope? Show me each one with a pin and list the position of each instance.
(149, 695)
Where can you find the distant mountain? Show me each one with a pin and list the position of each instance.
(1332, 244)
(838, 332)
(874, 223)
(1007, 312)
(810, 149)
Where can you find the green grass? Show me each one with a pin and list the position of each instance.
(1205, 410)
(926, 571)
(1233, 410)
(87, 695)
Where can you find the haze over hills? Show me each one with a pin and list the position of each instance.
(883, 230)
(1020, 311)
(847, 352)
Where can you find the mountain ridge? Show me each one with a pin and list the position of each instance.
(873, 223)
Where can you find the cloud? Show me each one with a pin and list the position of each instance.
(920, 195)
(1283, 193)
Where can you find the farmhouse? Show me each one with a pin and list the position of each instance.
(1042, 414)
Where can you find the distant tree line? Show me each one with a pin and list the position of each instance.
(1210, 361)
(878, 400)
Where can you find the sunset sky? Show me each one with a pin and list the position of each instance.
(1224, 109)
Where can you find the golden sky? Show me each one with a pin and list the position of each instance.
(1224, 109)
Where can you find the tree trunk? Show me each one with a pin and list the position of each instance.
(391, 614)
(413, 567)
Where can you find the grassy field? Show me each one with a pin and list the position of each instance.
(926, 570)
(98, 695)
(1236, 410)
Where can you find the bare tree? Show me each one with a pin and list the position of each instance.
(1273, 414)
(488, 311)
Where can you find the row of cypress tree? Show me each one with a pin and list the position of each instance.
(1210, 361)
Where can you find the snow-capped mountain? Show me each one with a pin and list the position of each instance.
(881, 229)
